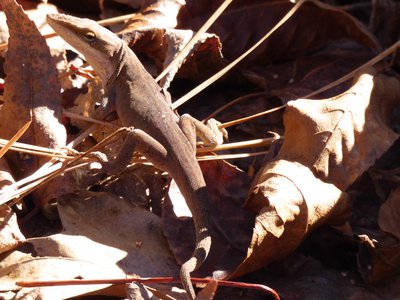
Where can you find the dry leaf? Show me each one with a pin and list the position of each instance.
(125, 238)
(134, 233)
(328, 144)
(314, 25)
(289, 204)
(385, 21)
(208, 292)
(32, 88)
(31, 92)
(6, 177)
(151, 31)
(336, 138)
(389, 214)
(10, 235)
(293, 80)
(163, 44)
(49, 268)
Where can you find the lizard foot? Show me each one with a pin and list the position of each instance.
(219, 133)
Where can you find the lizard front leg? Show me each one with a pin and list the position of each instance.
(209, 133)
(106, 110)
(139, 140)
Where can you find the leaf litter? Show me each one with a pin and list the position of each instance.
(306, 183)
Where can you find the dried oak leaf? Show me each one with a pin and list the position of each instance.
(341, 137)
(163, 44)
(328, 144)
(31, 92)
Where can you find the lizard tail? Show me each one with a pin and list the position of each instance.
(200, 253)
(203, 238)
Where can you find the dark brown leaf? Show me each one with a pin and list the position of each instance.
(314, 25)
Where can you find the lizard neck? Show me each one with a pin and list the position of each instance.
(118, 61)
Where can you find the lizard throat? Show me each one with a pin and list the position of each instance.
(116, 60)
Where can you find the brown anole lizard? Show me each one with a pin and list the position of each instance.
(163, 138)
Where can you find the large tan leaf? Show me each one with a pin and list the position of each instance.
(328, 144)
(336, 138)
(134, 233)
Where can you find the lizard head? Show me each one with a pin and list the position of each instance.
(95, 42)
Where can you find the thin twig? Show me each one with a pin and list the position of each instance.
(230, 156)
(245, 144)
(234, 284)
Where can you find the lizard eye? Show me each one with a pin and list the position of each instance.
(90, 36)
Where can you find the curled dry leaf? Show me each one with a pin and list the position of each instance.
(288, 200)
(10, 235)
(151, 31)
(164, 44)
(328, 144)
(31, 92)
